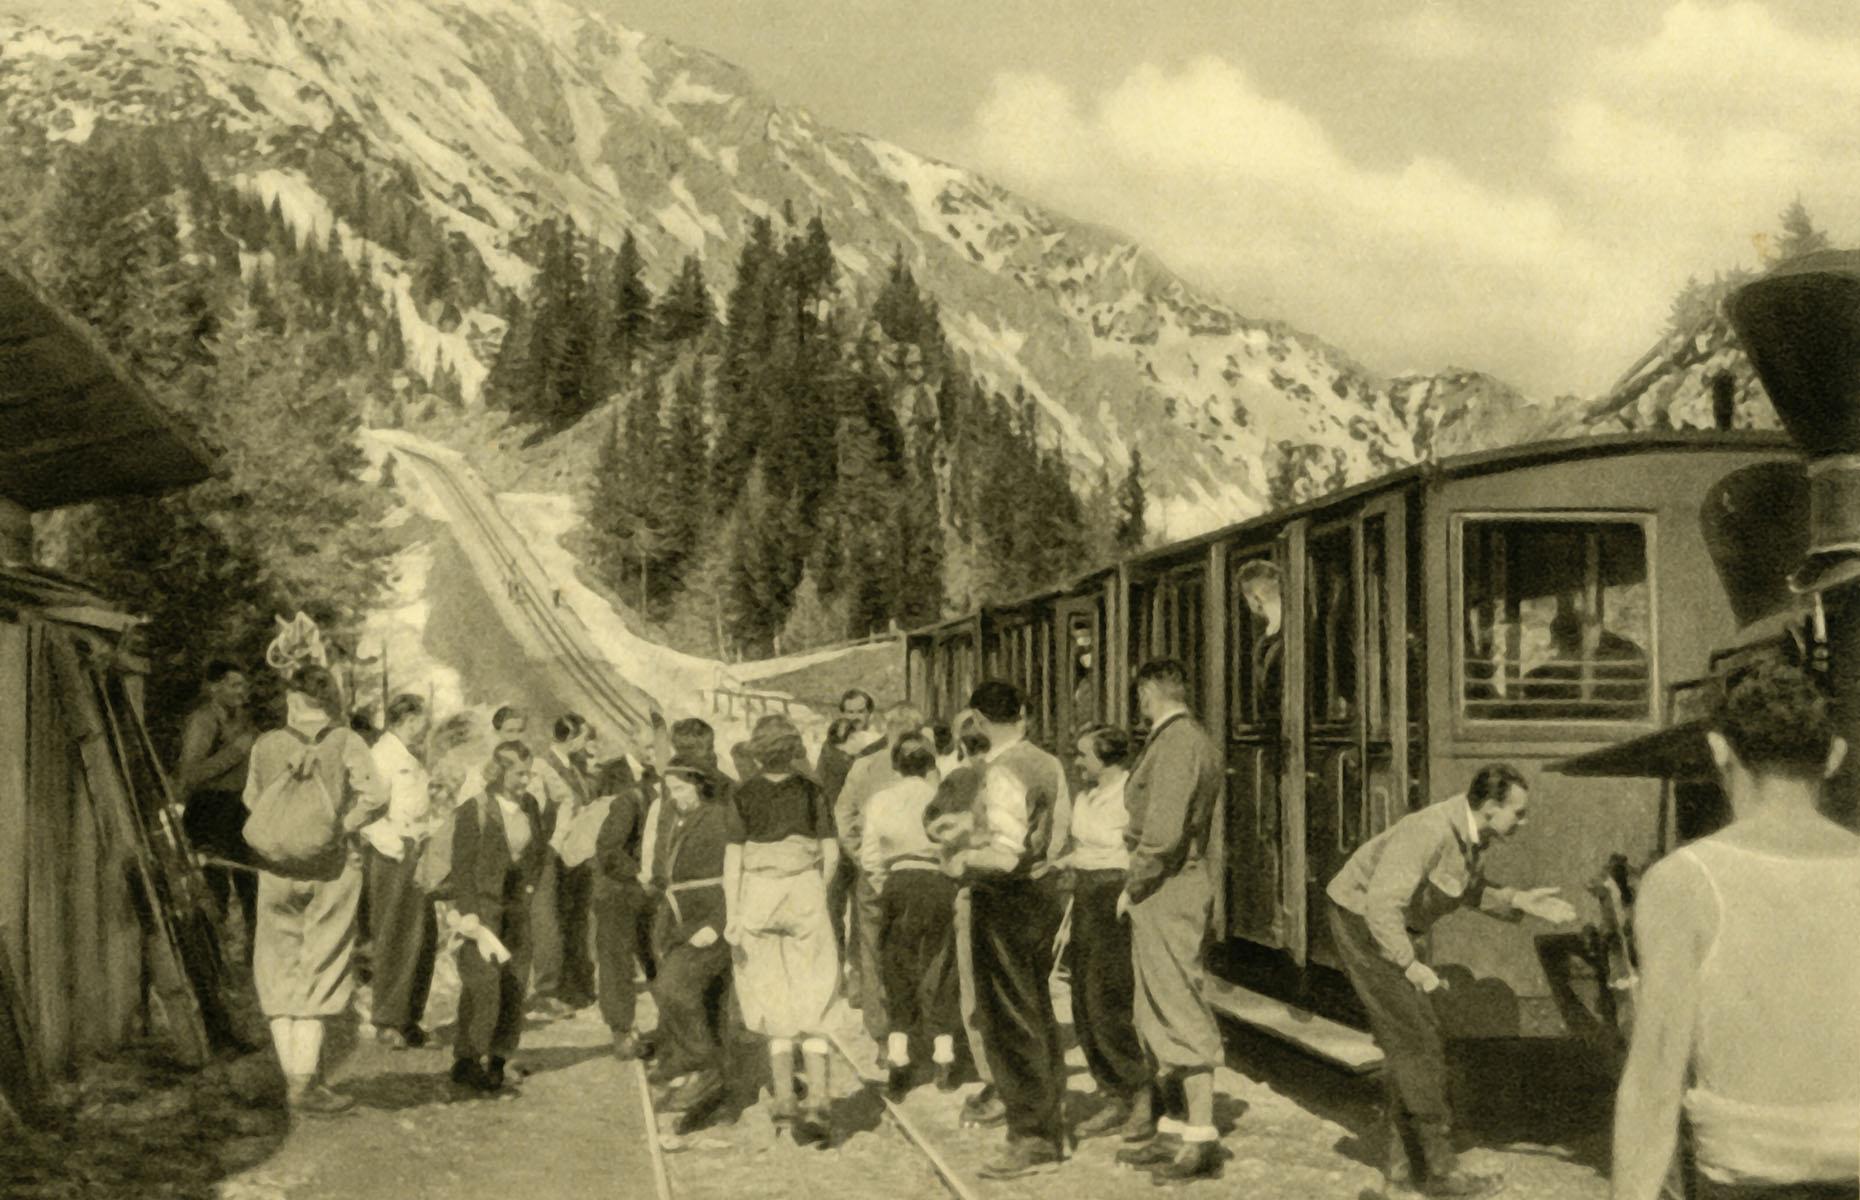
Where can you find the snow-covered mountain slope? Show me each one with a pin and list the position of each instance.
(493, 113)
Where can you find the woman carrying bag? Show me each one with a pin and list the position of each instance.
(311, 786)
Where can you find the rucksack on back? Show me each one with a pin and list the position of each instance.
(295, 826)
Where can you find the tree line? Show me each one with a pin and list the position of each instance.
(792, 466)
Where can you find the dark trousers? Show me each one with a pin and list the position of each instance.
(622, 939)
(406, 937)
(840, 904)
(692, 993)
(490, 1020)
(574, 909)
(868, 927)
(917, 952)
(1407, 1029)
(1103, 985)
(1014, 925)
(214, 823)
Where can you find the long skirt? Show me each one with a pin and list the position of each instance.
(787, 967)
(304, 947)
(1173, 1018)
(918, 953)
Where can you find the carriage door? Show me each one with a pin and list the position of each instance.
(1255, 833)
(1355, 695)
(1079, 683)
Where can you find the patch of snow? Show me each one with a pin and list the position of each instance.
(686, 90)
(681, 225)
(675, 679)
(83, 121)
(767, 668)
(727, 157)
(395, 630)
(710, 224)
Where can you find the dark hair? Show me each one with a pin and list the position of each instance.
(1109, 743)
(705, 782)
(841, 729)
(1493, 782)
(999, 702)
(913, 756)
(318, 685)
(1257, 571)
(944, 738)
(871, 705)
(569, 725)
(403, 706)
(220, 668)
(506, 714)
(505, 755)
(1776, 719)
(692, 737)
(1167, 672)
(775, 744)
(615, 773)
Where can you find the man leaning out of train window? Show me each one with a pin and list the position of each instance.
(1749, 954)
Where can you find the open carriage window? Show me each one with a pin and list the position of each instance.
(1557, 620)
(1330, 634)
(1254, 643)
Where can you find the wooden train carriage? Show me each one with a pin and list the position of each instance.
(1521, 605)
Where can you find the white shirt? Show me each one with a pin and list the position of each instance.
(409, 806)
(1099, 819)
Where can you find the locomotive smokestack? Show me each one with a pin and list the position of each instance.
(1723, 401)
(1800, 326)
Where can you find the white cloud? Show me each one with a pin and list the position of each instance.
(1248, 192)
(1436, 33)
(1665, 156)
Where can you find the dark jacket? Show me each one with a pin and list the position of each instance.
(617, 847)
(481, 866)
(694, 852)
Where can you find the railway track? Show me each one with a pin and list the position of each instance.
(624, 707)
(952, 1181)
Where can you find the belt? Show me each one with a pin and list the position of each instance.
(687, 885)
(913, 864)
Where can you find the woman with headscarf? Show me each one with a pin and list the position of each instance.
(304, 941)
(782, 855)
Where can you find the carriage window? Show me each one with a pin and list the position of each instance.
(1331, 636)
(1255, 643)
(1557, 621)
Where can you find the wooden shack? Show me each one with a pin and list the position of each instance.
(103, 937)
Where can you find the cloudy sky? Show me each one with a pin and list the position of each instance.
(1514, 187)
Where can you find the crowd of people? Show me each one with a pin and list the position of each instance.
(934, 876)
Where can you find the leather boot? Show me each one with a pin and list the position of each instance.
(1192, 1161)
(1158, 1150)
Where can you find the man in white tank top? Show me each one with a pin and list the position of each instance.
(1749, 944)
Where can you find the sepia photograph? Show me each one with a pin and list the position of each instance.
(816, 599)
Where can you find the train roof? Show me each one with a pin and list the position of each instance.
(1460, 466)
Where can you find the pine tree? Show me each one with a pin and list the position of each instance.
(685, 311)
(1131, 505)
(632, 308)
(1799, 234)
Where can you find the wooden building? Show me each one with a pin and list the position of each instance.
(102, 937)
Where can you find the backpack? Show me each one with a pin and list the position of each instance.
(295, 826)
(433, 873)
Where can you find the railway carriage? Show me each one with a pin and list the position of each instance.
(1363, 654)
